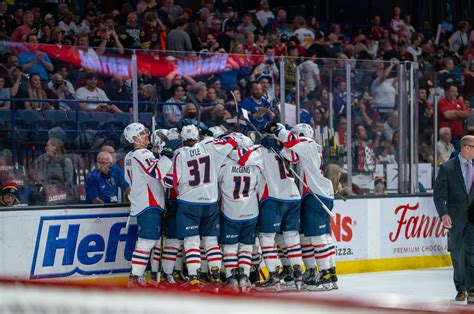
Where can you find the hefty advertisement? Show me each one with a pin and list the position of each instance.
(411, 227)
(349, 229)
(89, 244)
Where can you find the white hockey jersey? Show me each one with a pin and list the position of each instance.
(238, 187)
(194, 171)
(278, 184)
(145, 174)
(308, 154)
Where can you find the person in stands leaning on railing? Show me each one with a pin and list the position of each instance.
(35, 93)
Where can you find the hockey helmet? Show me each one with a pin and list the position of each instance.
(217, 131)
(303, 129)
(242, 140)
(173, 134)
(132, 130)
(189, 132)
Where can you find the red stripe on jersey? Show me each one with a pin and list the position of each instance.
(172, 194)
(151, 199)
(305, 189)
(242, 161)
(265, 192)
(143, 168)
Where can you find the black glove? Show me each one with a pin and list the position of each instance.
(271, 127)
(271, 142)
(170, 147)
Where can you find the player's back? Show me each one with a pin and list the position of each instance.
(197, 171)
(238, 189)
(143, 175)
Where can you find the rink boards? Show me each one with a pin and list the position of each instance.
(91, 243)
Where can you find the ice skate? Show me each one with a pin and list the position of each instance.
(136, 281)
(155, 279)
(298, 276)
(286, 276)
(194, 284)
(233, 281)
(215, 278)
(179, 277)
(272, 284)
(334, 278)
(309, 275)
(321, 283)
(244, 281)
(254, 275)
(168, 279)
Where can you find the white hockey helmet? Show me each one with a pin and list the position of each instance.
(132, 130)
(189, 132)
(303, 129)
(242, 140)
(217, 131)
(173, 134)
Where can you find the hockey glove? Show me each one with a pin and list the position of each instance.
(271, 142)
(170, 147)
(274, 127)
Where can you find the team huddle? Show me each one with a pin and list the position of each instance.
(225, 203)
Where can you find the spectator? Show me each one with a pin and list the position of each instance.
(459, 40)
(216, 116)
(9, 195)
(106, 38)
(151, 31)
(426, 148)
(117, 91)
(4, 94)
(59, 88)
(333, 172)
(34, 61)
(376, 30)
(214, 29)
(414, 50)
(384, 88)
(227, 39)
(425, 110)
(147, 97)
(380, 186)
(452, 114)
(172, 112)
(258, 107)
(245, 27)
(397, 26)
(34, 91)
(447, 25)
(264, 14)
(409, 29)
(92, 92)
(309, 71)
(340, 99)
(444, 146)
(129, 33)
(363, 154)
(178, 39)
(88, 25)
(45, 34)
(391, 125)
(20, 34)
(356, 190)
(67, 24)
(172, 10)
(55, 172)
(305, 36)
(190, 111)
(210, 44)
(103, 182)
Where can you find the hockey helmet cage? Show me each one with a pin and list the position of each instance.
(132, 130)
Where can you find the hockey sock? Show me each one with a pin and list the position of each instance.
(155, 260)
(170, 253)
(332, 249)
(293, 247)
(245, 257)
(322, 251)
(192, 254)
(307, 250)
(256, 256)
(269, 251)
(213, 252)
(179, 257)
(141, 255)
(282, 251)
(204, 265)
(230, 258)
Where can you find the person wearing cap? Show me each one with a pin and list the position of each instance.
(91, 92)
(87, 25)
(9, 195)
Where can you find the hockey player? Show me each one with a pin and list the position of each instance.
(194, 175)
(315, 221)
(239, 212)
(279, 211)
(144, 174)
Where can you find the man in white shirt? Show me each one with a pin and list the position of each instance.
(264, 15)
(91, 92)
(444, 146)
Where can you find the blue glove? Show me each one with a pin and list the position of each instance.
(271, 142)
(170, 147)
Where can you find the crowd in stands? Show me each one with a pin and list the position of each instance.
(56, 117)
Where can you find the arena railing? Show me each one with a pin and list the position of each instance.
(161, 69)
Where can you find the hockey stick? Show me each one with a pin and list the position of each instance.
(245, 114)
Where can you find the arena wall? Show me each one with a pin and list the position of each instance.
(94, 243)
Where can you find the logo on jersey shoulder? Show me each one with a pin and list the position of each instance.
(86, 244)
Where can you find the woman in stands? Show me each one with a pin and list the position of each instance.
(55, 172)
(34, 91)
